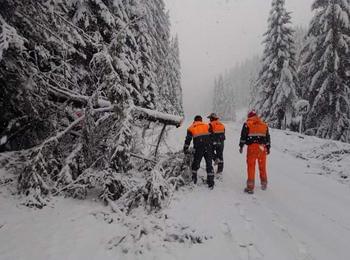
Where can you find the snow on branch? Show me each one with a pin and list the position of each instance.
(156, 116)
(80, 99)
(106, 106)
(9, 36)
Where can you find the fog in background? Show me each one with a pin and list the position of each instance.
(215, 35)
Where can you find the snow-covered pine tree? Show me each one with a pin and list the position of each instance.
(117, 126)
(284, 98)
(156, 58)
(159, 28)
(300, 36)
(56, 54)
(127, 53)
(325, 70)
(139, 15)
(175, 76)
(57, 58)
(170, 90)
(278, 56)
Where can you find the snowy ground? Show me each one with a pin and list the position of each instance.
(304, 214)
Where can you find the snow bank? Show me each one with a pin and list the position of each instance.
(324, 157)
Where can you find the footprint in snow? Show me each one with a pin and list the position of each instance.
(226, 229)
(248, 222)
(250, 251)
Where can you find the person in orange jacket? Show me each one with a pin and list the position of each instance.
(200, 134)
(255, 134)
(217, 130)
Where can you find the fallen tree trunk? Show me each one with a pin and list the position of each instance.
(51, 164)
(156, 116)
(103, 105)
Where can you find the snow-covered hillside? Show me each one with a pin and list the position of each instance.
(303, 215)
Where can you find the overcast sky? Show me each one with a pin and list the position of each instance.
(216, 34)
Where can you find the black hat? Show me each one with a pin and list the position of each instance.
(198, 118)
(213, 116)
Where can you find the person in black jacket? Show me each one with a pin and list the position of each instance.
(217, 130)
(199, 133)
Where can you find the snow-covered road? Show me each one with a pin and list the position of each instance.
(300, 216)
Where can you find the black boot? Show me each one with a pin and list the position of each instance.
(194, 177)
(249, 191)
(220, 167)
(210, 181)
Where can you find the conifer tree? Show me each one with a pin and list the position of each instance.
(325, 70)
(278, 57)
(140, 17)
(45, 45)
(59, 57)
(174, 75)
(158, 57)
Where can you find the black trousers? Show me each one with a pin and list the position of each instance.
(207, 153)
(218, 155)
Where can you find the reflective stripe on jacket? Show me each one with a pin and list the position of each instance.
(200, 134)
(255, 131)
(216, 127)
(218, 131)
(198, 129)
(256, 127)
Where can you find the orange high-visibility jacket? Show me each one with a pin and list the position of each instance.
(200, 134)
(218, 131)
(256, 127)
(255, 131)
(198, 129)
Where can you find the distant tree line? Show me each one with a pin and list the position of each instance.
(232, 88)
(312, 66)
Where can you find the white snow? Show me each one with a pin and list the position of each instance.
(304, 214)
(161, 116)
(3, 140)
(8, 37)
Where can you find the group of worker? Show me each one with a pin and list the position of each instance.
(208, 142)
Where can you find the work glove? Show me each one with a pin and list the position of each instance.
(241, 150)
(268, 150)
(185, 149)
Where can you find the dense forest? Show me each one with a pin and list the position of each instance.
(81, 82)
(299, 70)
